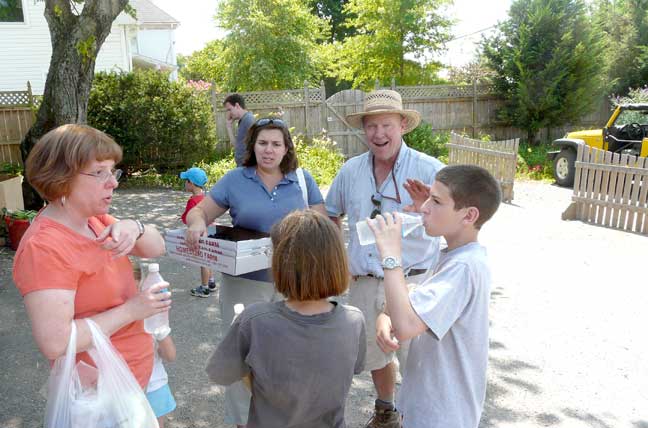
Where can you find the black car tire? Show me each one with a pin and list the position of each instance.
(564, 168)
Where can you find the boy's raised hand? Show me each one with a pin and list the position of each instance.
(388, 229)
(418, 191)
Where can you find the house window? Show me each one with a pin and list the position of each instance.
(133, 43)
(11, 11)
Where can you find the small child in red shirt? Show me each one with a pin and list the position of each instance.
(195, 179)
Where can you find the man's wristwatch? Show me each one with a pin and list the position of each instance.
(391, 262)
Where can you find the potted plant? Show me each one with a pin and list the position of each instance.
(17, 223)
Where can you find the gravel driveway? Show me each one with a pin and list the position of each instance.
(568, 316)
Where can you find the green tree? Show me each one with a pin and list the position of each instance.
(476, 70)
(203, 64)
(77, 36)
(333, 11)
(392, 38)
(625, 25)
(546, 57)
(271, 44)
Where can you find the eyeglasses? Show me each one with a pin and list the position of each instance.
(103, 175)
(270, 121)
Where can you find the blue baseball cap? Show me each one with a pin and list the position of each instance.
(196, 175)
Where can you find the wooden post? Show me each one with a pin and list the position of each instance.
(212, 93)
(323, 115)
(212, 96)
(377, 85)
(306, 108)
(474, 107)
(393, 84)
(30, 95)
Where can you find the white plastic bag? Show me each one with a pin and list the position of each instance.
(80, 396)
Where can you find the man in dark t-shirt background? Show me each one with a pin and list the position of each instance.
(235, 106)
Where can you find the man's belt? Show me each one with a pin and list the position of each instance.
(411, 272)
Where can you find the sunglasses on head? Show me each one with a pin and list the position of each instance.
(270, 121)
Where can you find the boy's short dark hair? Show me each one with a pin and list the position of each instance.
(309, 261)
(234, 99)
(472, 186)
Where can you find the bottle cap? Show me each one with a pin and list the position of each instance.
(153, 267)
(238, 308)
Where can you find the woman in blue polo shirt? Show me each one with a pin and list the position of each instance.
(258, 195)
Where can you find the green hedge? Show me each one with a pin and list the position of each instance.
(319, 156)
(424, 140)
(159, 124)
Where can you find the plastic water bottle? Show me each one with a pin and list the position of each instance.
(159, 321)
(366, 237)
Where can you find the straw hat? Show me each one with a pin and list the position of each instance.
(381, 102)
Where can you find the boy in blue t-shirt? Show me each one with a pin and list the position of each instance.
(446, 316)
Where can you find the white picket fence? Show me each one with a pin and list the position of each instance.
(498, 157)
(610, 190)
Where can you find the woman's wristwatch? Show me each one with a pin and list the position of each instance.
(140, 227)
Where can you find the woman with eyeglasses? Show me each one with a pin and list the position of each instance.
(258, 194)
(72, 261)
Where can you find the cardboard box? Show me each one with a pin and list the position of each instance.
(11, 196)
(233, 250)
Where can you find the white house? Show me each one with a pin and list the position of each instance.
(25, 48)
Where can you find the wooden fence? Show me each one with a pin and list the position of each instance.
(610, 190)
(471, 109)
(299, 108)
(498, 157)
(16, 117)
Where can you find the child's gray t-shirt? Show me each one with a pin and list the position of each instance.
(302, 366)
(444, 385)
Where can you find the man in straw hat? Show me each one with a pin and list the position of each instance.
(368, 184)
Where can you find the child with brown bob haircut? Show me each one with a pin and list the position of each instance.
(446, 316)
(302, 352)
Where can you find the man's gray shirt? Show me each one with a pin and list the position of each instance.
(302, 365)
(239, 146)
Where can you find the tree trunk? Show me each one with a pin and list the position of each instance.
(76, 39)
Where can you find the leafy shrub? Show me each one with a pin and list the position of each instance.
(424, 140)
(215, 170)
(160, 124)
(533, 163)
(320, 157)
(11, 168)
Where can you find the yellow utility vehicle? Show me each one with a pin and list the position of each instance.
(626, 132)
